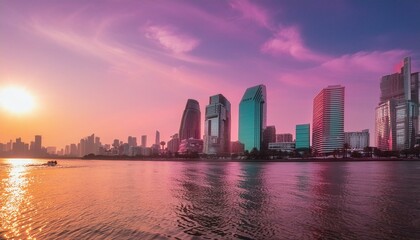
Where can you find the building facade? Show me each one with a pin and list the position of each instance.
(328, 120)
(253, 117)
(237, 147)
(396, 116)
(217, 126)
(357, 140)
(190, 146)
(191, 121)
(144, 141)
(303, 136)
(284, 137)
(269, 136)
(173, 144)
(157, 138)
(282, 146)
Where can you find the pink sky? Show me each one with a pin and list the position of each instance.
(127, 68)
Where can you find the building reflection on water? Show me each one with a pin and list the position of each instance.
(255, 208)
(203, 201)
(15, 200)
(224, 201)
(329, 191)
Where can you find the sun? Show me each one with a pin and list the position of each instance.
(16, 100)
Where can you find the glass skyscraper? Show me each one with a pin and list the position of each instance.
(303, 136)
(396, 120)
(191, 121)
(328, 120)
(217, 126)
(253, 117)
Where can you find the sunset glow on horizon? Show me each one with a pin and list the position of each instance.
(127, 68)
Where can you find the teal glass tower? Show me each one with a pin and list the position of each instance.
(253, 117)
(302, 136)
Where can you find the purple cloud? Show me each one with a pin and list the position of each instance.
(288, 41)
(172, 39)
(251, 12)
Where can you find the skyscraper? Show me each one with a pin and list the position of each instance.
(253, 117)
(38, 144)
(396, 123)
(328, 120)
(157, 138)
(191, 121)
(132, 141)
(144, 141)
(303, 136)
(217, 125)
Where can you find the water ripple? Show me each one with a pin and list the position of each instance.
(188, 200)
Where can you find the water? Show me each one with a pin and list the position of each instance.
(80, 199)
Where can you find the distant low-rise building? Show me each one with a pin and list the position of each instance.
(237, 147)
(303, 137)
(282, 146)
(173, 144)
(190, 146)
(357, 140)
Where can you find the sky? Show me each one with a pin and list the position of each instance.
(126, 68)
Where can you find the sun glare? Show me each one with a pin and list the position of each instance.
(16, 100)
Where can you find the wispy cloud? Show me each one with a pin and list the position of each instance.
(252, 12)
(288, 41)
(378, 62)
(358, 67)
(285, 41)
(171, 39)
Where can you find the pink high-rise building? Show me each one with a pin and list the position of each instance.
(328, 120)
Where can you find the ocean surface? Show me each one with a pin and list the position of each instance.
(86, 199)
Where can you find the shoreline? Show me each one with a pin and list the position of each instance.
(260, 160)
(102, 158)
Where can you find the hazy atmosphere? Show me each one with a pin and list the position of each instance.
(120, 68)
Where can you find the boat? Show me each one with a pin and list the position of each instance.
(51, 163)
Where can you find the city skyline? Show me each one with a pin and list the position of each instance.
(123, 70)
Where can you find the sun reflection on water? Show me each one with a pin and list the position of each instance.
(16, 200)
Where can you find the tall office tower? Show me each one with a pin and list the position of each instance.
(90, 144)
(253, 117)
(143, 140)
(397, 123)
(38, 144)
(73, 150)
(82, 148)
(191, 121)
(217, 126)
(18, 147)
(284, 137)
(116, 143)
(98, 144)
(132, 141)
(157, 138)
(269, 136)
(303, 136)
(328, 120)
